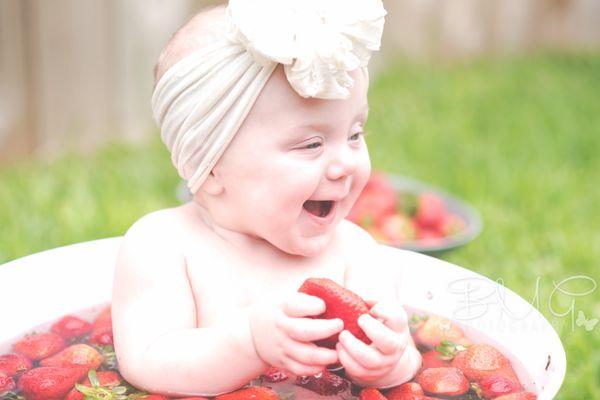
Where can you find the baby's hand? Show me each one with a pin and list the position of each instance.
(283, 336)
(369, 365)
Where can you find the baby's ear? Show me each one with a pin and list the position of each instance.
(212, 185)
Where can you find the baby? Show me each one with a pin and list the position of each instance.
(264, 119)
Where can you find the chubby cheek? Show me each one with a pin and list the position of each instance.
(360, 179)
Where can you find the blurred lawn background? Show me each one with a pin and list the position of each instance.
(517, 138)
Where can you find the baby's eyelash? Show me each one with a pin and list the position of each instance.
(313, 145)
(361, 133)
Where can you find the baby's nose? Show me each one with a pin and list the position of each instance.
(342, 164)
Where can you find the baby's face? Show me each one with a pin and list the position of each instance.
(295, 167)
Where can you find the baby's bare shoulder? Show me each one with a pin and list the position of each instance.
(369, 271)
(354, 240)
(155, 225)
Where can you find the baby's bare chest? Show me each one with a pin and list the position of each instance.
(224, 283)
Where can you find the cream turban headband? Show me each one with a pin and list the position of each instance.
(201, 101)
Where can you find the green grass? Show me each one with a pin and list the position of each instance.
(519, 139)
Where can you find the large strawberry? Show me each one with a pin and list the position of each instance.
(497, 385)
(251, 393)
(102, 328)
(433, 359)
(7, 383)
(104, 380)
(193, 398)
(39, 345)
(518, 396)
(371, 394)
(437, 329)
(406, 391)
(49, 383)
(340, 303)
(71, 327)
(324, 383)
(444, 381)
(75, 355)
(14, 364)
(482, 360)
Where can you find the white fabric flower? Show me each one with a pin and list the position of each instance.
(318, 41)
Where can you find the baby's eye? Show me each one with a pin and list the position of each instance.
(356, 136)
(313, 145)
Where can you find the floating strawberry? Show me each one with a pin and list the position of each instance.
(433, 359)
(518, 396)
(497, 385)
(7, 383)
(437, 329)
(275, 375)
(49, 383)
(39, 345)
(102, 328)
(106, 380)
(14, 364)
(75, 355)
(444, 381)
(340, 303)
(194, 398)
(70, 327)
(371, 394)
(251, 393)
(479, 361)
(324, 383)
(406, 391)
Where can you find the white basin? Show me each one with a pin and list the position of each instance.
(40, 288)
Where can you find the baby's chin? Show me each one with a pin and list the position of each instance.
(305, 246)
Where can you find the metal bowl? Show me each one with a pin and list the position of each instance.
(473, 223)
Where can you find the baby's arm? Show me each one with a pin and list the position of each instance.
(392, 358)
(157, 343)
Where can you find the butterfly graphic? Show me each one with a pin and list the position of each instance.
(587, 324)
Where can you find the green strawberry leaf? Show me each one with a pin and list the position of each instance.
(93, 377)
(110, 357)
(416, 321)
(12, 396)
(449, 349)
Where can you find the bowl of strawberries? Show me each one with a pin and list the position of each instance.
(477, 339)
(406, 213)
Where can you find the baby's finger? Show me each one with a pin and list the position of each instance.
(386, 340)
(309, 354)
(393, 315)
(351, 366)
(300, 369)
(365, 355)
(301, 305)
(309, 330)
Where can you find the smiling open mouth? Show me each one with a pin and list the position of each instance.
(319, 208)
